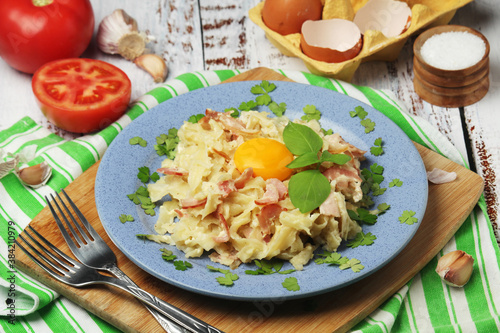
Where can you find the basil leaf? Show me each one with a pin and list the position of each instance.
(339, 159)
(304, 160)
(308, 189)
(301, 139)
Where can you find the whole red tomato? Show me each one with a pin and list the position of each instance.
(34, 32)
(81, 95)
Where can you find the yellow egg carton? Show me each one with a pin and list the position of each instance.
(376, 46)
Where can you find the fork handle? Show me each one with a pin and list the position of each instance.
(180, 317)
(169, 325)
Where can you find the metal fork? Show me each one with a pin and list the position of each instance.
(69, 271)
(94, 252)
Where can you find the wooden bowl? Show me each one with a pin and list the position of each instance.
(450, 88)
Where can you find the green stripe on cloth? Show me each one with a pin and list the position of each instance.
(423, 301)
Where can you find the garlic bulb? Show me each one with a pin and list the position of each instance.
(118, 33)
(154, 65)
(35, 175)
(455, 268)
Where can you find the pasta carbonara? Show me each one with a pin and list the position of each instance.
(238, 217)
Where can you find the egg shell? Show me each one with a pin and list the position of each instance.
(390, 17)
(318, 42)
(376, 46)
(286, 16)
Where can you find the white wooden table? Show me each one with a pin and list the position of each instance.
(194, 35)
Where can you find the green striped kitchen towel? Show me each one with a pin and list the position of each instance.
(425, 304)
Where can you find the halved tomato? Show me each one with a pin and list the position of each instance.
(81, 95)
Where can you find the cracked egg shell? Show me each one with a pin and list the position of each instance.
(286, 16)
(390, 17)
(331, 41)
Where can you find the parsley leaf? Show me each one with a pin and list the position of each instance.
(382, 208)
(362, 215)
(359, 112)
(361, 239)
(408, 217)
(267, 267)
(179, 265)
(248, 106)
(137, 140)
(396, 182)
(353, 264)
(195, 118)
(263, 88)
(277, 109)
(377, 190)
(311, 113)
(141, 196)
(126, 218)
(291, 284)
(228, 278)
(166, 143)
(368, 125)
(334, 258)
(234, 112)
(378, 149)
(326, 132)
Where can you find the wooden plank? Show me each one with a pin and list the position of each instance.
(339, 310)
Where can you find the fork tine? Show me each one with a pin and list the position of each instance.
(78, 237)
(82, 218)
(66, 267)
(59, 223)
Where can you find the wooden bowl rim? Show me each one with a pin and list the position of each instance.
(417, 45)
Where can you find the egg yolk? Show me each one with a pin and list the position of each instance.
(267, 157)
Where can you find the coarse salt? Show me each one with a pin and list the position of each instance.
(453, 50)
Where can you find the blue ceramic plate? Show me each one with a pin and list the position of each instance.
(117, 177)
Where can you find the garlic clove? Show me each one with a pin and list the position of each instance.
(154, 65)
(35, 175)
(455, 268)
(118, 33)
(439, 176)
(6, 167)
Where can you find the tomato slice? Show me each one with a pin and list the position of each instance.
(81, 95)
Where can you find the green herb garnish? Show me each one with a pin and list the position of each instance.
(137, 140)
(166, 143)
(367, 123)
(382, 208)
(377, 149)
(396, 182)
(267, 267)
(362, 215)
(195, 118)
(311, 113)
(228, 278)
(361, 239)
(291, 284)
(141, 197)
(179, 265)
(126, 218)
(334, 258)
(408, 217)
(144, 175)
(308, 189)
(277, 109)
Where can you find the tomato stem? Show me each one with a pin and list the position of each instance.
(41, 3)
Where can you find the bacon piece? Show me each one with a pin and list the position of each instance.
(337, 145)
(179, 213)
(275, 191)
(226, 187)
(347, 180)
(240, 182)
(330, 207)
(224, 234)
(334, 172)
(192, 203)
(268, 214)
(231, 124)
(173, 171)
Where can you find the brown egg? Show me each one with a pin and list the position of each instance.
(390, 17)
(332, 41)
(286, 16)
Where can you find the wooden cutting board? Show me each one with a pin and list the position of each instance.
(448, 206)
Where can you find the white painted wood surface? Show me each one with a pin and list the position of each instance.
(195, 35)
